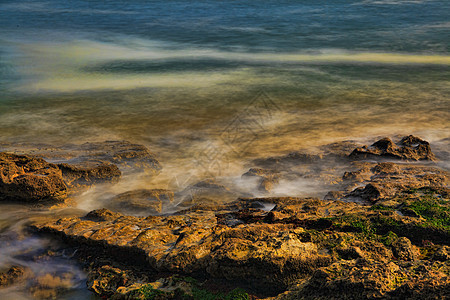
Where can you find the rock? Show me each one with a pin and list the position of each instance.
(373, 192)
(14, 275)
(105, 281)
(403, 249)
(128, 157)
(142, 202)
(409, 147)
(442, 254)
(196, 244)
(89, 173)
(267, 178)
(100, 215)
(369, 279)
(25, 178)
(386, 168)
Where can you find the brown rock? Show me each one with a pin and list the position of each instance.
(403, 249)
(442, 254)
(25, 178)
(409, 147)
(195, 244)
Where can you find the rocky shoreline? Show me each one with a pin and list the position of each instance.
(382, 231)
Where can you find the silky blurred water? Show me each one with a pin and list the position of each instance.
(161, 71)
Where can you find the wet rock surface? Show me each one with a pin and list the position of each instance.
(128, 157)
(29, 179)
(409, 147)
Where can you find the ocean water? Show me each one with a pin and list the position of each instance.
(239, 79)
(72, 71)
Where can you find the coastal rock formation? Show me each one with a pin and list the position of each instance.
(378, 181)
(128, 157)
(409, 148)
(386, 237)
(196, 244)
(371, 279)
(238, 242)
(25, 178)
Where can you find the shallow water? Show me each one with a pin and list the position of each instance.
(208, 85)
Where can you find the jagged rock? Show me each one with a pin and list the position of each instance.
(386, 179)
(142, 202)
(105, 281)
(403, 249)
(409, 147)
(267, 178)
(25, 178)
(89, 173)
(442, 254)
(128, 157)
(372, 192)
(13, 275)
(369, 279)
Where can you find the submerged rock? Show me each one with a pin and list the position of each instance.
(30, 179)
(409, 148)
(13, 275)
(266, 178)
(126, 155)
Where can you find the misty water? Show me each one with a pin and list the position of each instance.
(243, 79)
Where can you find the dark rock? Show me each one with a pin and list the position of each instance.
(442, 254)
(24, 178)
(409, 148)
(89, 173)
(373, 192)
(403, 249)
